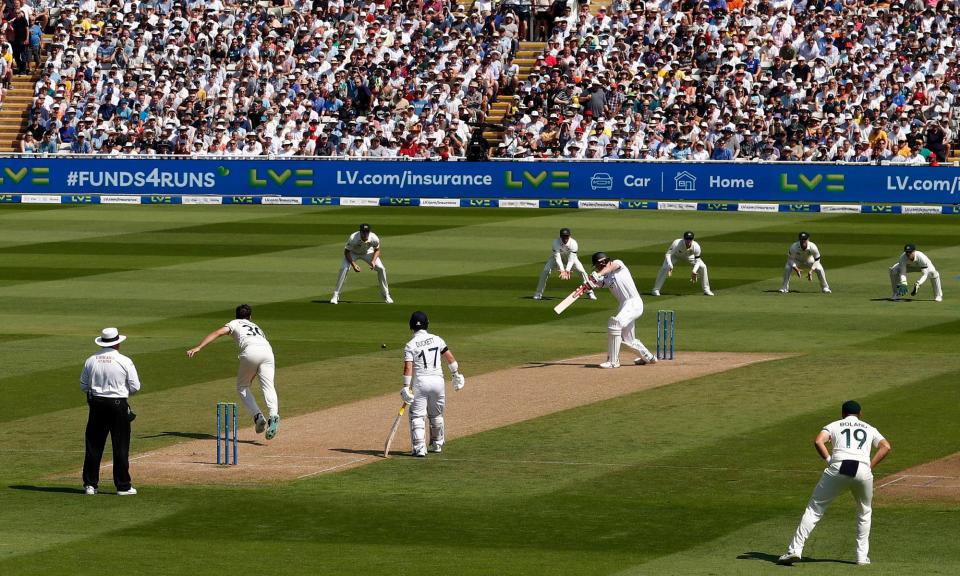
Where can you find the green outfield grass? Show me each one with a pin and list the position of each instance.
(708, 476)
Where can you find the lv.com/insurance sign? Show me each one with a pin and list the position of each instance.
(544, 180)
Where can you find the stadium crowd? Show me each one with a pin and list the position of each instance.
(789, 80)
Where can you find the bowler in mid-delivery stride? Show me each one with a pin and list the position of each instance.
(848, 468)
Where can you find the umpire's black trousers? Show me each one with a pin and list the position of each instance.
(107, 416)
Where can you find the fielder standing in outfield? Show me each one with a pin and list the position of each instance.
(423, 383)
(615, 275)
(362, 245)
(565, 245)
(913, 260)
(256, 360)
(688, 249)
(804, 252)
(108, 379)
(849, 467)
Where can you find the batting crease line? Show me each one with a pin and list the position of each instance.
(894, 481)
(330, 469)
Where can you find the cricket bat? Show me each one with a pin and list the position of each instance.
(580, 291)
(393, 430)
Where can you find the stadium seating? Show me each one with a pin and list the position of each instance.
(856, 81)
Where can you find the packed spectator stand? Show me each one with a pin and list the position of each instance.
(782, 80)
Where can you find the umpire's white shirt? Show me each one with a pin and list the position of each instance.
(852, 439)
(360, 247)
(621, 284)
(425, 350)
(109, 374)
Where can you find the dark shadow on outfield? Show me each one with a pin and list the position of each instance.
(542, 298)
(888, 299)
(772, 558)
(54, 489)
(195, 436)
(545, 364)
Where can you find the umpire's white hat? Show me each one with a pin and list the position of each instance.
(109, 337)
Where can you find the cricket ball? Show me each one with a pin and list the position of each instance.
(384, 346)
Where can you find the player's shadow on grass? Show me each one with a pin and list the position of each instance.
(542, 298)
(57, 489)
(369, 452)
(772, 558)
(888, 299)
(545, 364)
(195, 436)
(342, 301)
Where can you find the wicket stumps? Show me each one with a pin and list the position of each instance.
(226, 422)
(666, 331)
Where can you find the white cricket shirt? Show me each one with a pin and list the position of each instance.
(359, 247)
(247, 334)
(425, 350)
(919, 264)
(109, 374)
(679, 250)
(797, 254)
(621, 284)
(852, 439)
(560, 249)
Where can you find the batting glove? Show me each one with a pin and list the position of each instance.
(406, 394)
(596, 277)
(902, 290)
(458, 381)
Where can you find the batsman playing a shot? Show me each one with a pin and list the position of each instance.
(565, 245)
(688, 249)
(804, 253)
(615, 275)
(423, 383)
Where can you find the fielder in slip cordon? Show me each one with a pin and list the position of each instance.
(804, 253)
(615, 275)
(565, 245)
(688, 249)
(423, 383)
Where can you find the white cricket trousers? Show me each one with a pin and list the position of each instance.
(816, 267)
(931, 272)
(698, 267)
(621, 329)
(381, 273)
(831, 484)
(551, 265)
(257, 362)
(428, 401)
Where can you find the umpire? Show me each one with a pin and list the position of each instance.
(108, 378)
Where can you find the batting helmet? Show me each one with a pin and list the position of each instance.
(418, 321)
(688, 235)
(803, 236)
(600, 259)
(565, 232)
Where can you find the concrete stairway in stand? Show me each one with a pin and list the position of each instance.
(15, 115)
(525, 58)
